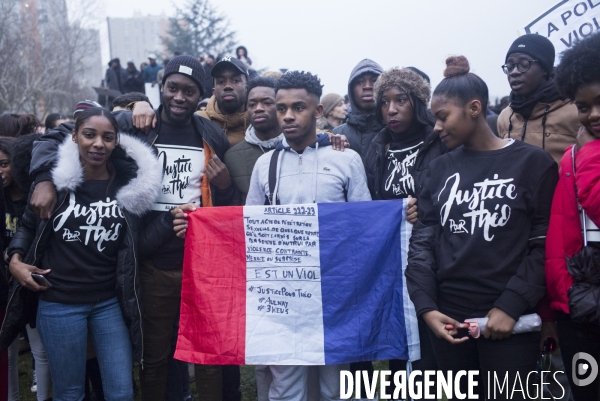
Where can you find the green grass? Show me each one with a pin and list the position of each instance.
(248, 384)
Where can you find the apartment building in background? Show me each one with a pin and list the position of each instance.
(133, 38)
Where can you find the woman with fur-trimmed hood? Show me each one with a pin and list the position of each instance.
(399, 156)
(83, 261)
(400, 153)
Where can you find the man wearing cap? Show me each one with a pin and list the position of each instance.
(151, 70)
(537, 113)
(190, 148)
(361, 125)
(227, 106)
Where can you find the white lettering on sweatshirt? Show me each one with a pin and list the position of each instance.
(480, 214)
(94, 215)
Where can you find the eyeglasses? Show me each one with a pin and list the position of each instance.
(522, 66)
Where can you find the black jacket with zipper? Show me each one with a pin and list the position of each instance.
(431, 149)
(138, 175)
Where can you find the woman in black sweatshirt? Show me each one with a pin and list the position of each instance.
(478, 248)
(85, 257)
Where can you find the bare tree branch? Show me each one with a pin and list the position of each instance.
(198, 29)
(43, 54)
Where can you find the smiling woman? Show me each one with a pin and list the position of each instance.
(96, 137)
(578, 78)
(85, 258)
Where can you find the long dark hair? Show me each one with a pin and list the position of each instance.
(18, 124)
(237, 51)
(20, 161)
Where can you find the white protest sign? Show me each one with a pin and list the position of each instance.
(153, 93)
(567, 22)
(283, 274)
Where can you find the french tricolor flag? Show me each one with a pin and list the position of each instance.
(308, 284)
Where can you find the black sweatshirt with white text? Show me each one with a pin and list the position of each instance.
(486, 214)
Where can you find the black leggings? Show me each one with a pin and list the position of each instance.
(517, 353)
(577, 337)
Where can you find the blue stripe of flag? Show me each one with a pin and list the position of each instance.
(362, 281)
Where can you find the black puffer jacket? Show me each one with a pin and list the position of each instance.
(431, 149)
(138, 175)
(360, 129)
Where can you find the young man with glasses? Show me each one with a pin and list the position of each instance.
(537, 113)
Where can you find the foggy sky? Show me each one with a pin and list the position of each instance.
(328, 37)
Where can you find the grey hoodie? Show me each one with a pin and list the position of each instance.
(360, 128)
(318, 175)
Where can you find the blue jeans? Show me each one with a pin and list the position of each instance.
(64, 332)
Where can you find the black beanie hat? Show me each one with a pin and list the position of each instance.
(186, 65)
(537, 46)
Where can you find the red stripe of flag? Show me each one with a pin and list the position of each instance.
(212, 327)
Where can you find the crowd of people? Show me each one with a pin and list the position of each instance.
(118, 80)
(505, 213)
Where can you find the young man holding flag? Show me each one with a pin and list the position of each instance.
(327, 176)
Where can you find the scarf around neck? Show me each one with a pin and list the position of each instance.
(547, 93)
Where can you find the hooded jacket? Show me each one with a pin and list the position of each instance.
(564, 237)
(233, 125)
(318, 174)
(551, 126)
(134, 81)
(360, 129)
(431, 149)
(115, 78)
(138, 175)
(240, 160)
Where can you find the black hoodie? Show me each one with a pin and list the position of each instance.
(360, 129)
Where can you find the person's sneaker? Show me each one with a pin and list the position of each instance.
(34, 383)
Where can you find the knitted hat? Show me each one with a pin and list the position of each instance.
(537, 46)
(84, 105)
(186, 65)
(329, 101)
(405, 79)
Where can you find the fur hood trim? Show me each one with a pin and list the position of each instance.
(137, 196)
(405, 79)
